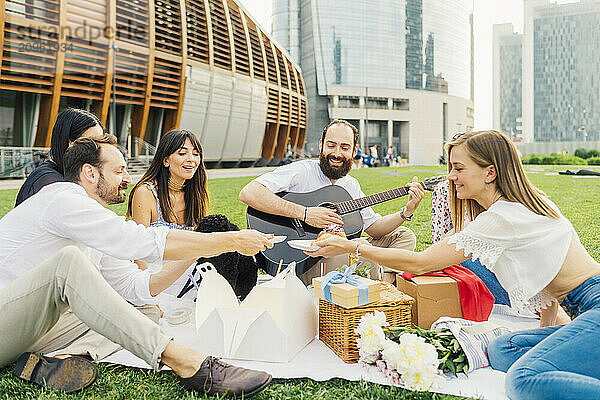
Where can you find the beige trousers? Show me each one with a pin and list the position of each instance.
(71, 336)
(400, 238)
(33, 303)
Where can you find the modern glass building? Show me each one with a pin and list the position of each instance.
(147, 66)
(414, 44)
(561, 71)
(447, 27)
(507, 53)
(400, 70)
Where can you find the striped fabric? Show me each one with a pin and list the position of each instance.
(473, 337)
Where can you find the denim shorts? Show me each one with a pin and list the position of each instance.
(584, 297)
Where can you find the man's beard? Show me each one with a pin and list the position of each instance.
(110, 195)
(334, 172)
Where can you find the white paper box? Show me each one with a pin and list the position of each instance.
(275, 321)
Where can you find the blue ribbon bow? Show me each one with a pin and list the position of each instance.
(347, 276)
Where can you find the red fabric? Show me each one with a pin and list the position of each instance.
(475, 298)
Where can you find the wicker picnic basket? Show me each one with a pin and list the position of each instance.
(337, 324)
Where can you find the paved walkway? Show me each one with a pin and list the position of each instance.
(212, 174)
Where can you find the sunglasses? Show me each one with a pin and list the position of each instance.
(457, 135)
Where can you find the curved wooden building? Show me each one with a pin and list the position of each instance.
(202, 65)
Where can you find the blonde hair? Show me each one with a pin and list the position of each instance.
(487, 148)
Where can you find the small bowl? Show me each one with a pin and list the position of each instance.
(178, 316)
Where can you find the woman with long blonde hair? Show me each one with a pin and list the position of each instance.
(517, 232)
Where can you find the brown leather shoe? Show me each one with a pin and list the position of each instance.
(216, 377)
(69, 374)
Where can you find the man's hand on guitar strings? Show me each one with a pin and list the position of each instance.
(320, 217)
(415, 195)
(332, 246)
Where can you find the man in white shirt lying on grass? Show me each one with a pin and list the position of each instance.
(63, 249)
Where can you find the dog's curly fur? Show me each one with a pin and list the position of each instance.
(240, 271)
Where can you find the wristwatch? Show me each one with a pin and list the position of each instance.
(404, 217)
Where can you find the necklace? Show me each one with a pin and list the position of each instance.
(175, 186)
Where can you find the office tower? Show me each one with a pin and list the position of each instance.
(364, 61)
(561, 72)
(507, 89)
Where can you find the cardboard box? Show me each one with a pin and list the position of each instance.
(435, 296)
(345, 294)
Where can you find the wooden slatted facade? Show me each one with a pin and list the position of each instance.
(137, 52)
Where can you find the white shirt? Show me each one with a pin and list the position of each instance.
(305, 176)
(524, 249)
(62, 214)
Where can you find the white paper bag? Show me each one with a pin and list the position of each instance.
(275, 321)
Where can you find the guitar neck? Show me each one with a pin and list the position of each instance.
(368, 201)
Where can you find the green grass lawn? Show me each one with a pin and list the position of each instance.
(578, 198)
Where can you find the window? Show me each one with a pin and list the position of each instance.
(348, 102)
(400, 104)
(377, 102)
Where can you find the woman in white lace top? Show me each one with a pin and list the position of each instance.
(520, 235)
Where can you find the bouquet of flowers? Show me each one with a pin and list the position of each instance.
(415, 358)
(452, 357)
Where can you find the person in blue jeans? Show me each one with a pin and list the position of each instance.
(522, 237)
(555, 362)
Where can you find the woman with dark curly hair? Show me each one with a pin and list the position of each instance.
(70, 125)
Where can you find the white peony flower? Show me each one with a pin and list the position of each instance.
(370, 343)
(415, 360)
(371, 336)
(421, 381)
(369, 322)
(412, 359)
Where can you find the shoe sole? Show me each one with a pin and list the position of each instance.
(257, 390)
(69, 374)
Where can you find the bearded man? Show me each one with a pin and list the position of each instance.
(338, 146)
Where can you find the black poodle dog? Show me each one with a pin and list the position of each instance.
(240, 271)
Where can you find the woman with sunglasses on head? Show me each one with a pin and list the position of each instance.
(173, 191)
(70, 125)
(500, 218)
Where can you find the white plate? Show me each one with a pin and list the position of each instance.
(278, 239)
(306, 245)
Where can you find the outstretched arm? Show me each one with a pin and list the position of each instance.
(437, 256)
(260, 198)
(184, 245)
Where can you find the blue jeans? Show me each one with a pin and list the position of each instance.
(489, 279)
(557, 362)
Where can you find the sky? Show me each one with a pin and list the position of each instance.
(486, 13)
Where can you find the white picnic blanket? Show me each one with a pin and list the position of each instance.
(318, 362)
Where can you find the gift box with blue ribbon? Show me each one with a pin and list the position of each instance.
(346, 289)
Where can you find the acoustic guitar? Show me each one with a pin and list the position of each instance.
(333, 197)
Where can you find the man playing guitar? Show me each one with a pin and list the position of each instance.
(338, 146)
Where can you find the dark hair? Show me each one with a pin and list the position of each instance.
(342, 122)
(69, 126)
(194, 189)
(85, 150)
